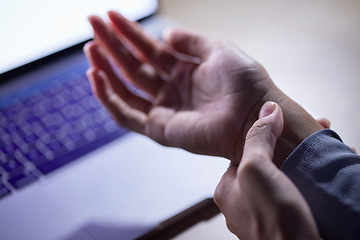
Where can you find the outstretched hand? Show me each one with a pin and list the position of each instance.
(256, 198)
(187, 91)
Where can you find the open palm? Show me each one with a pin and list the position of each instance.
(189, 91)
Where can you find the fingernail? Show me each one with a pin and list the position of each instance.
(267, 109)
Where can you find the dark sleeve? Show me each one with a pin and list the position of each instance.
(327, 173)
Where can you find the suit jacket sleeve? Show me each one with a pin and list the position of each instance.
(327, 173)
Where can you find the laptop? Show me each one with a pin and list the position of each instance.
(67, 171)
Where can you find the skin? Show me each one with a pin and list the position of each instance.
(204, 96)
(257, 199)
(198, 94)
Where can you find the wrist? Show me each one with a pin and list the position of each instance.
(298, 123)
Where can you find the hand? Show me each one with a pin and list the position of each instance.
(257, 199)
(326, 124)
(195, 93)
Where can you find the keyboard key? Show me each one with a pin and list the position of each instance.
(48, 105)
(81, 125)
(52, 119)
(96, 127)
(77, 93)
(33, 100)
(30, 138)
(67, 97)
(111, 126)
(74, 81)
(8, 147)
(10, 128)
(3, 157)
(10, 112)
(33, 154)
(37, 128)
(31, 119)
(78, 137)
(50, 129)
(54, 144)
(72, 112)
(37, 110)
(22, 180)
(59, 102)
(4, 190)
(99, 116)
(53, 91)
(61, 136)
(86, 87)
(12, 166)
(90, 104)
(3, 120)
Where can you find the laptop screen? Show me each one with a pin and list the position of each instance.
(34, 29)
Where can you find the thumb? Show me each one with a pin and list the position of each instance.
(187, 42)
(262, 136)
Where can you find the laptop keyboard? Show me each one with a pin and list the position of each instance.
(48, 126)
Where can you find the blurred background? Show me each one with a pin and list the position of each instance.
(310, 48)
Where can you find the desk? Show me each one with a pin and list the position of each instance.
(311, 49)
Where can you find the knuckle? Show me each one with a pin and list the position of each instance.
(252, 167)
(156, 52)
(218, 194)
(230, 225)
(112, 98)
(219, 44)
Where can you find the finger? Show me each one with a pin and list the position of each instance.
(325, 123)
(155, 52)
(261, 138)
(224, 187)
(122, 113)
(188, 42)
(99, 61)
(354, 149)
(138, 72)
